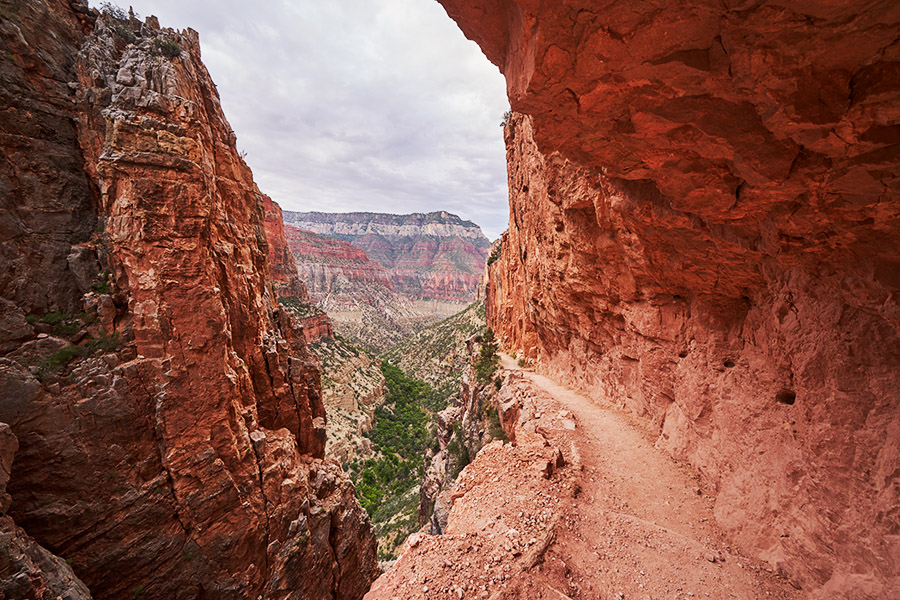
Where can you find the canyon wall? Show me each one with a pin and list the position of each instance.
(169, 416)
(359, 294)
(433, 256)
(325, 264)
(705, 230)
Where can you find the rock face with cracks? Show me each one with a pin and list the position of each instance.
(704, 229)
(26, 569)
(175, 449)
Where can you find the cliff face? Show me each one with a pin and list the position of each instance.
(321, 261)
(704, 230)
(175, 448)
(26, 569)
(427, 256)
(358, 294)
(281, 259)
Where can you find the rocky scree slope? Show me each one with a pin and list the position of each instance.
(435, 256)
(704, 230)
(169, 418)
(352, 388)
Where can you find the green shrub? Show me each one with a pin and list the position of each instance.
(488, 360)
(126, 34)
(168, 48)
(103, 284)
(59, 360)
(105, 343)
(458, 451)
(495, 254)
(494, 426)
(521, 362)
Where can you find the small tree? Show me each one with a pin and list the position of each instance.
(487, 361)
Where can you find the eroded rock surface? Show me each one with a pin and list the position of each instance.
(26, 569)
(175, 448)
(704, 229)
(433, 256)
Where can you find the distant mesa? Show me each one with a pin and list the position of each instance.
(428, 256)
(382, 276)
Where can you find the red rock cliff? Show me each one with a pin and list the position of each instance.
(284, 267)
(704, 229)
(175, 449)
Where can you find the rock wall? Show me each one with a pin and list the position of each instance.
(316, 327)
(704, 230)
(170, 422)
(426, 256)
(326, 263)
(26, 569)
(284, 268)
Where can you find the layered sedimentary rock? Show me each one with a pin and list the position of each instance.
(357, 293)
(325, 263)
(168, 412)
(352, 388)
(284, 268)
(704, 229)
(434, 256)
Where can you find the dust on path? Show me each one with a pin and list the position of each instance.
(641, 526)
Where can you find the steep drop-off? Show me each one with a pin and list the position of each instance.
(704, 229)
(170, 423)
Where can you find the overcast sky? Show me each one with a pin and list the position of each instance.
(355, 105)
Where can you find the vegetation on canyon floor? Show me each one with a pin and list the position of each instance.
(387, 484)
(437, 353)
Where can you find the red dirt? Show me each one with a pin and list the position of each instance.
(621, 519)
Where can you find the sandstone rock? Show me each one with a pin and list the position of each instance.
(26, 569)
(284, 267)
(427, 256)
(138, 465)
(705, 231)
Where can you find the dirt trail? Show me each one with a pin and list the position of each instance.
(581, 506)
(640, 527)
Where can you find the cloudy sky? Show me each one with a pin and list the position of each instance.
(356, 105)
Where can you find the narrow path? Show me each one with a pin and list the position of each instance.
(640, 527)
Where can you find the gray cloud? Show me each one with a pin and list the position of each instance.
(378, 105)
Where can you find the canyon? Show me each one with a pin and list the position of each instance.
(381, 276)
(698, 292)
(356, 293)
(704, 233)
(167, 410)
(433, 256)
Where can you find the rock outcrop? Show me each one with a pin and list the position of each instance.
(26, 569)
(462, 429)
(168, 412)
(285, 277)
(704, 229)
(434, 256)
(352, 388)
